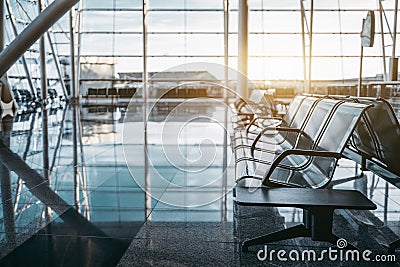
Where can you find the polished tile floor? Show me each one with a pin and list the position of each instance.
(122, 195)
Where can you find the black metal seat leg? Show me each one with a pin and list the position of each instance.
(320, 222)
(333, 239)
(288, 233)
(393, 246)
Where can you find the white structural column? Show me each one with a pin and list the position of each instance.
(2, 16)
(310, 53)
(145, 100)
(226, 43)
(73, 87)
(396, 9)
(42, 50)
(224, 199)
(145, 75)
(242, 83)
(381, 15)
(394, 62)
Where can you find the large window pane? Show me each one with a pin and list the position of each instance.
(275, 21)
(275, 45)
(166, 21)
(98, 21)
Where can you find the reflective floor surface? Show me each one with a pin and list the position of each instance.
(92, 186)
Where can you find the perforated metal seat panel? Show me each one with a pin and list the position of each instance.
(292, 110)
(378, 134)
(285, 121)
(314, 171)
(278, 141)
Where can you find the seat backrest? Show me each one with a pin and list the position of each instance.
(92, 91)
(102, 91)
(378, 134)
(269, 104)
(364, 139)
(131, 92)
(112, 91)
(259, 102)
(292, 110)
(332, 136)
(298, 121)
(303, 111)
(335, 136)
(341, 126)
(256, 96)
(316, 122)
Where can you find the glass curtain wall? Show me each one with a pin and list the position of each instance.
(19, 13)
(184, 31)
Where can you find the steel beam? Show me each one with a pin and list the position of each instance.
(42, 53)
(242, 84)
(57, 65)
(396, 8)
(74, 92)
(45, 145)
(2, 18)
(226, 46)
(79, 48)
(224, 191)
(75, 155)
(382, 41)
(147, 185)
(303, 39)
(145, 73)
(32, 33)
(360, 74)
(310, 47)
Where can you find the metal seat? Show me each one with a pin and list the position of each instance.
(92, 92)
(270, 138)
(257, 105)
(378, 134)
(296, 114)
(112, 92)
(312, 160)
(375, 144)
(259, 123)
(310, 164)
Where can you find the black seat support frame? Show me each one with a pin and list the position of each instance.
(317, 205)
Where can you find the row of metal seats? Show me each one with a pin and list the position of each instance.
(184, 93)
(258, 105)
(24, 95)
(111, 92)
(302, 148)
(376, 138)
(287, 161)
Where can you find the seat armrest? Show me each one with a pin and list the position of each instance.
(279, 129)
(255, 119)
(311, 153)
(268, 183)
